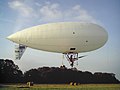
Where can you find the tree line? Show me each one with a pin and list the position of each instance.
(10, 73)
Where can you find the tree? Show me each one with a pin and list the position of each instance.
(9, 72)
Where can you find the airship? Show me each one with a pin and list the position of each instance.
(68, 38)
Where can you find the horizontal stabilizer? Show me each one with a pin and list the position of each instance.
(19, 50)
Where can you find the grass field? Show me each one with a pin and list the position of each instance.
(62, 87)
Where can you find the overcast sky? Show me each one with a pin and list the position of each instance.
(16, 15)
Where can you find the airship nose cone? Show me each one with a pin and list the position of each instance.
(12, 37)
(9, 37)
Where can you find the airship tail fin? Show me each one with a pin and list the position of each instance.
(19, 50)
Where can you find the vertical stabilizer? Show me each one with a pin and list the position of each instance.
(19, 50)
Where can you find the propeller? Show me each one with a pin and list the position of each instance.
(75, 59)
(82, 56)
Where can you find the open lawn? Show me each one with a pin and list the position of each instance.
(62, 87)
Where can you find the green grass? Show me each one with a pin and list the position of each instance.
(64, 87)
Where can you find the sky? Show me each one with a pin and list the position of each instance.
(16, 15)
